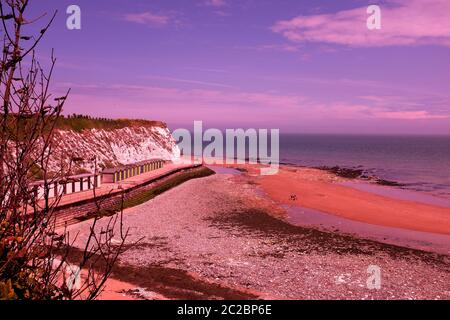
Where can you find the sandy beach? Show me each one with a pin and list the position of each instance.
(227, 237)
(317, 189)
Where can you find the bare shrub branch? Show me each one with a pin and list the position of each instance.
(35, 256)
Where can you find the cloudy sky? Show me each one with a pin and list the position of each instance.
(301, 66)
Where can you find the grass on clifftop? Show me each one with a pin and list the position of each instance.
(79, 123)
(76, 123)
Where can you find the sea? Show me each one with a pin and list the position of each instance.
(419, 163)
(417, 166)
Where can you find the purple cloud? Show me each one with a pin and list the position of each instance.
(216, 3)
(194, 103)
(404, 22)
(148, 18)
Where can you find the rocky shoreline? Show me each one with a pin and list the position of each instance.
(219, 238)
(351, 173)
(359, 173)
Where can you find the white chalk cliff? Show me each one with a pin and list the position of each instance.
(111, 147)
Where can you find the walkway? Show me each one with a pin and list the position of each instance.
(112, 188)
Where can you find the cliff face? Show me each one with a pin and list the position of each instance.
(111, 147)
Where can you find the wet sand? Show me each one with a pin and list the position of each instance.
(319, 190)
(222, 237)
(426, 241)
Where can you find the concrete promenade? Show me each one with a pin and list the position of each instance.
(113, 188)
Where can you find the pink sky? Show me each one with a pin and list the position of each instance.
(298, 66)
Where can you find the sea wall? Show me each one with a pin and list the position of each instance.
(75, 212)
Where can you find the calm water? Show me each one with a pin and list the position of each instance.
(421, 163)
